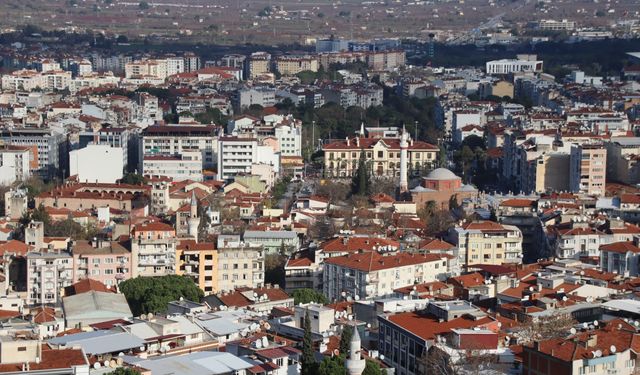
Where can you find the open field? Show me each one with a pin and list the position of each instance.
(287, 21)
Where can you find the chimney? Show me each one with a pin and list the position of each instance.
(592, 341)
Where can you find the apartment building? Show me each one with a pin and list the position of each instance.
(15, 163)
(588, 169)
(292, 65)
(97, 163)
(237, 155)
(22, 80)
(262, 96)
(273, 241)
(177, 139)
(622, 258)
(116, 137)
(106, 261)
(153, 250)
(370, 274)
(51, 148)
(382, 154)
(239, 265)
(198, 260)
(554, 25)
(486, 242)
(623, 160)
(47, 273)
(257, 64)
(156, 68)
(608, 350)
(185, 166)
(289, 140)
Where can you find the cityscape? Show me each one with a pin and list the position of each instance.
(393, 187)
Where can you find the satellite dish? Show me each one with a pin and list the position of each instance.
(636, 324)
(350, 317)
(150, 316)
(595, 323)
(265, 341)
(612, 348)
(382, 357)
(598, 353)
(565, 299)
(143, 317)
(573, 331)
(106, 363)
(585, 325)
(97, 365)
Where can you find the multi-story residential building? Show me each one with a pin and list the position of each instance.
(292, 65)
(97, 163)
(382, 155)
(147, 109)
(600, 120)
(117, 138)
(185, 166)
(273, 241)
(191, 62)
(176, 139)
(541, 165)
(153, 250)
(486, 242)
(51, 148)
(608, 350)
(578, 239)
(237, 155)
(15, 163)
(262, 96)
(23, 80)
(239, 265)
(622, 258)
(623, 160)
(156, 68)
(372, 274)
(588, 169)
(106, 261)
(47, 273)
(289, 140)
(406, 337)
(198, 260)
(553, 25)
(257, 64)
(523, 63)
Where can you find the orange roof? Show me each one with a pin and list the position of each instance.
(86, 285)
(621, 247)
(14, 246)
(428, 327)
(518, 203)
(43, 315)
(237, 299)
(50, 359)
(468, 280)
(350, 244)
(373, 261)
(483, 226)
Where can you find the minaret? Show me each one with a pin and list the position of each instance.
(194, 221)
(404, 144)
(355, 364)
(362, 130)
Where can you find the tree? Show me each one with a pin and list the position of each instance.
(360, 182)
(308, 360)
(372, 368)
(306, 295)
(274, 269)
(345, 339)
(124, 371)
(133, 179)
(332, 366)
(545, 328)
(143, 5)
(153, 294)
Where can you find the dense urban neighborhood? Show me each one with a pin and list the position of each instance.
(348, 206)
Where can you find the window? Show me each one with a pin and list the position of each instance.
(22, 348)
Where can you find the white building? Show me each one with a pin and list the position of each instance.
(370, 274)
(523, 63)
(97, 163)
(185, 166)
(289, 140)
(47, 274)
(176, 139)
(14, 164)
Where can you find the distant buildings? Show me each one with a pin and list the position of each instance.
(523, 63)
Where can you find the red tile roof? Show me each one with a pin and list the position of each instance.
(373, 261)
(351, 244)
(428, 327)
(236, 299)
(621, 247)
(86, 285)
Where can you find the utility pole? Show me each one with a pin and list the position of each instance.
(313, 136)
(416, 132)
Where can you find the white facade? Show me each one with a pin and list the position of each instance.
(14, 166)
(186, 166)
(97, 163)
(508, 66)
(238, 155)
(289, 140)
(47, 273)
